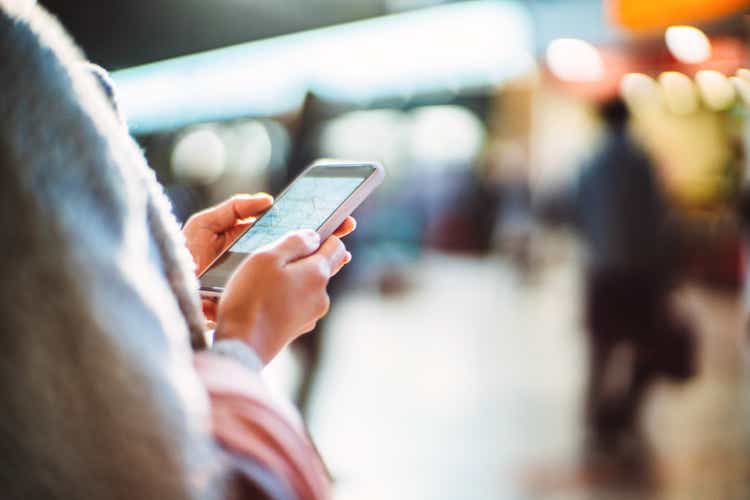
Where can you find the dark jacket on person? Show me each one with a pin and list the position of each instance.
(621, 209)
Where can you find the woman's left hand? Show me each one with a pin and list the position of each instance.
(210, 231)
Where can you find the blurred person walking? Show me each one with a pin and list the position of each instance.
(633, 334)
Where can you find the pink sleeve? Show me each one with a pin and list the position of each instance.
(246, 422)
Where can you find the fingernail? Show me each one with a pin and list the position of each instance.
(347, 257)
(249, 196)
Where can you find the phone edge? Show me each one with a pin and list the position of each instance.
(329, 226)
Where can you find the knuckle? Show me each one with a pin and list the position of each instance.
(339, 244)
(297, 239)
(192, 221)
(322, 272)
(263, 258)
(324, 305)
(316, 282)
(339, 248)
(309, 327)
(201, 216)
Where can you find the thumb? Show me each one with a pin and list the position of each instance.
(295, 245)
(241, 206)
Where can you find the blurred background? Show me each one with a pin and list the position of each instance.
(546, 298)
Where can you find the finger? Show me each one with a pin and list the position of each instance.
(295, 245)
(308, 327)
(346, 227)
(235, 231)
(325, 261)
(245, 206)
(226, 214)
(715, 89)
(679, 92)
(333, 252)
(347, 259)
(210, 308)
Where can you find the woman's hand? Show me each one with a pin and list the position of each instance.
(210, 231)
(279, 292)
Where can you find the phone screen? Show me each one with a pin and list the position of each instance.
(307, 204)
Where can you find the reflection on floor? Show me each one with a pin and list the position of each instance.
(468, 385)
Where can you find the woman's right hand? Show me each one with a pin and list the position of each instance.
(279, 292)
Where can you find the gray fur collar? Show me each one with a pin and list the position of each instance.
(97, 292)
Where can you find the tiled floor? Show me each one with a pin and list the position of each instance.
(469, 384)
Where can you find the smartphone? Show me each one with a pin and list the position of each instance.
(320, 198)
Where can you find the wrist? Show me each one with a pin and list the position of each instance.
(252, 333)
(240, 352)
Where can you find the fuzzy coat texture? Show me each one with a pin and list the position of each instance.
(98, 300)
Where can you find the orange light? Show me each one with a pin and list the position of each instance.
(644, 15)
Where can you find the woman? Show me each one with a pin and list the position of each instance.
(102, 395)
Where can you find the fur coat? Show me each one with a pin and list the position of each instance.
(99, 397)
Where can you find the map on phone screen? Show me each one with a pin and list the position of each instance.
(306, 205)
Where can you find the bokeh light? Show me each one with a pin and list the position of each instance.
(574, 60)
(445, 135)
(688, 44)
(199, 157)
